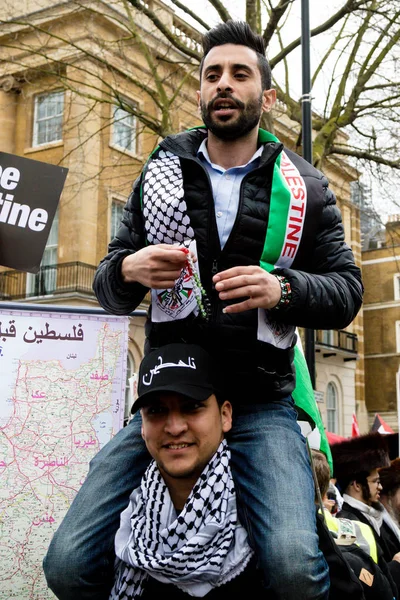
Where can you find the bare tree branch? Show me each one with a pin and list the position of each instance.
(221, 10)
(164, 30)
(191, 14)
(349, 7)
(345, 151)
(275, 16)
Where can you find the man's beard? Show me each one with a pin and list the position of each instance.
(248, 119)
(367, 498)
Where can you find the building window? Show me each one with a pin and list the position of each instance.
(45, 281)
(130, 369)
(117, 209)
(124, 134)
(327, 337)
(48, 118)
(332, 408)
(397, 325)
(396, 283)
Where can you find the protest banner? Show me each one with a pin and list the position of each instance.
(30, 191)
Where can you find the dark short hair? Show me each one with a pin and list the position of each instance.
(360, 478)
(241, 34)
(322, 471)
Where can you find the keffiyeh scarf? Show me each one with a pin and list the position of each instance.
(202, 547)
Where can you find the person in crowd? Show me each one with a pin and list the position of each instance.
(240, 241)
(390, 499)
(330, 499)
(180, 533)
(338, 495)
(355, 542)
(356, 464)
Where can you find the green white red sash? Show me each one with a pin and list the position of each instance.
(285, 227)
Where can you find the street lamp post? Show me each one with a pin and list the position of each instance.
(307, 146)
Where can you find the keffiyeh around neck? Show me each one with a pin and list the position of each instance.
(201, 548)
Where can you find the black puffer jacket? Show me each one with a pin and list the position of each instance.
(326, 283)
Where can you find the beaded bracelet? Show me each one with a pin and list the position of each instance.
(286, 292)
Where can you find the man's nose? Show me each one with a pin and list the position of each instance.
(225, 82)
(175, 423)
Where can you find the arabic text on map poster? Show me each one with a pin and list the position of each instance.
(63, 390)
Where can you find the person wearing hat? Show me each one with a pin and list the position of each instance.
(174, 536)
(355, 465)
(390, 499)
(180, 533)
(352, 541)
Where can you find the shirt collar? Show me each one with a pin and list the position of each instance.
(202, 153)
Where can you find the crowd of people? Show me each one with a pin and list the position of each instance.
(211, 488)
(364, 514)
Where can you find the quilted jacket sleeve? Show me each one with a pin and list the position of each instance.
(113, 294)
(328, 293)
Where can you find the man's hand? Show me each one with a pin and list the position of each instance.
(261, 288)
(156, 267)
(396, 557)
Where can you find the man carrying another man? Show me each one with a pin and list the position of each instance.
(269, 243)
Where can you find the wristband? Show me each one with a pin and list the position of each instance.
(286, 292)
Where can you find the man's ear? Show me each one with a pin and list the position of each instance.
(269, 99)
(142, 432)
(226, 416)
(198, 94)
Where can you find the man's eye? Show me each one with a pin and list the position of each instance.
(211, 77)
(241, 75)
(154, 410)
(193, 406)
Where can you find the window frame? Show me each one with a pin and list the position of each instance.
(397, 326)
(45, 281)
(37, 120)
(114, 226)
(332, 410)
(328, 337)
(115, 143)
(396, 286)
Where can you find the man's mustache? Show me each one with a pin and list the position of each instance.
(223, 96)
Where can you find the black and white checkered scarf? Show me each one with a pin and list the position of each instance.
(201, 548)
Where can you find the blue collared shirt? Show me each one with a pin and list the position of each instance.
(226, 189)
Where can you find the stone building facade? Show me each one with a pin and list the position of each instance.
(381, 273)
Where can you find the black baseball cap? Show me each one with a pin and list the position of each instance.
(181, 368)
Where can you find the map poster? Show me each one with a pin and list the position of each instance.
(29, 194)
(63, 379)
